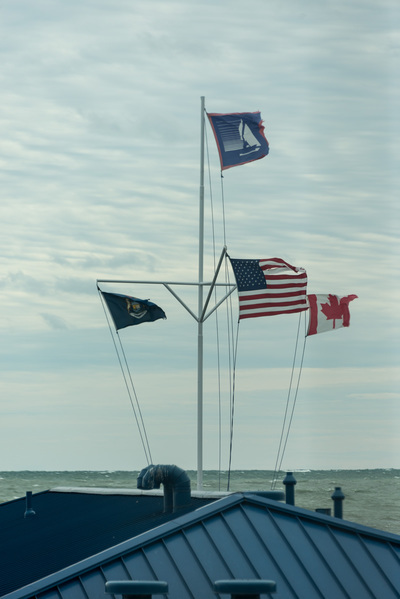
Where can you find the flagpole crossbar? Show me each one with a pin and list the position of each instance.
(201, 318)
(167, 284)
(201, 284)
(219, 303)
(176, 296)
(140, 282)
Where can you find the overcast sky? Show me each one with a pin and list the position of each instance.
(99, 153)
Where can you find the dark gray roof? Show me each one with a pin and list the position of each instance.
(243, 536)
(71, 526)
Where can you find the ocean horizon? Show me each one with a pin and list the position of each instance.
(371, 495)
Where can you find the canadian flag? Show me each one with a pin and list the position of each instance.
(328, 312)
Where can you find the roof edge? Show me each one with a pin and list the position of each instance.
(125, 491)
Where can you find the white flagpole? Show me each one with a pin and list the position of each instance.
(200, 310)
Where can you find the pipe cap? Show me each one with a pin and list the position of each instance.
(136, 587)
(244, 587)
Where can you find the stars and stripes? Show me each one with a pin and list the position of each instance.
(269, 287)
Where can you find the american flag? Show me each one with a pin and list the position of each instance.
(269, 287)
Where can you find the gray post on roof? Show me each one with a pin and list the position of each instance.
(29, 511)
(245, 589)
(139, 589)
(289, 481)
(338, 498)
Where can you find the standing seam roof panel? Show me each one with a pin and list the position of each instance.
(93, 583)
(266, 569)
(73, 590)
(191, 569)
(53, 594)
(138, 566)
(165, 569)
(115, 570)
(213, 562)
(293, 568)
(366, 565)
(262, 526)
(352, 584)
(313, 560)
(257, 549)
(228, 546)
(387, 559)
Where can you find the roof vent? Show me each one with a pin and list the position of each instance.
(175, 481)
(29, 511)
(338, 497)
(289, 481)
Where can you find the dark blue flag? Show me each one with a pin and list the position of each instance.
(240, 137)
(127, 311)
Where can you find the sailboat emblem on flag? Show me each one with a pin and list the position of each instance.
(240, 137)
(250, 144)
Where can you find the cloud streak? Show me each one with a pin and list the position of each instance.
(99, 151)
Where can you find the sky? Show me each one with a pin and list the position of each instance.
(100, 118)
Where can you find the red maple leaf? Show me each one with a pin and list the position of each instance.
(338, 310)
(334, 310)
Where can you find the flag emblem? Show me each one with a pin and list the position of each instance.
(135, 308)
(240, 137)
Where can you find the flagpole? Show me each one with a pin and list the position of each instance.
(200, 310)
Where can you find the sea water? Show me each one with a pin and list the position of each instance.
(372, 497)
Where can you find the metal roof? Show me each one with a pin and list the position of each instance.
(243, 536)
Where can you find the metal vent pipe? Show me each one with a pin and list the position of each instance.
(29, 511)
(338, 498)
(289, 481)
(175, 481)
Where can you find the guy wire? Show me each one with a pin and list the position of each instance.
(145, 449)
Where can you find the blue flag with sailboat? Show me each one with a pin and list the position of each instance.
(240, 137)
(127, 311)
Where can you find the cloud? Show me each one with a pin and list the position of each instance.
(54, 321)
(100, 151)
